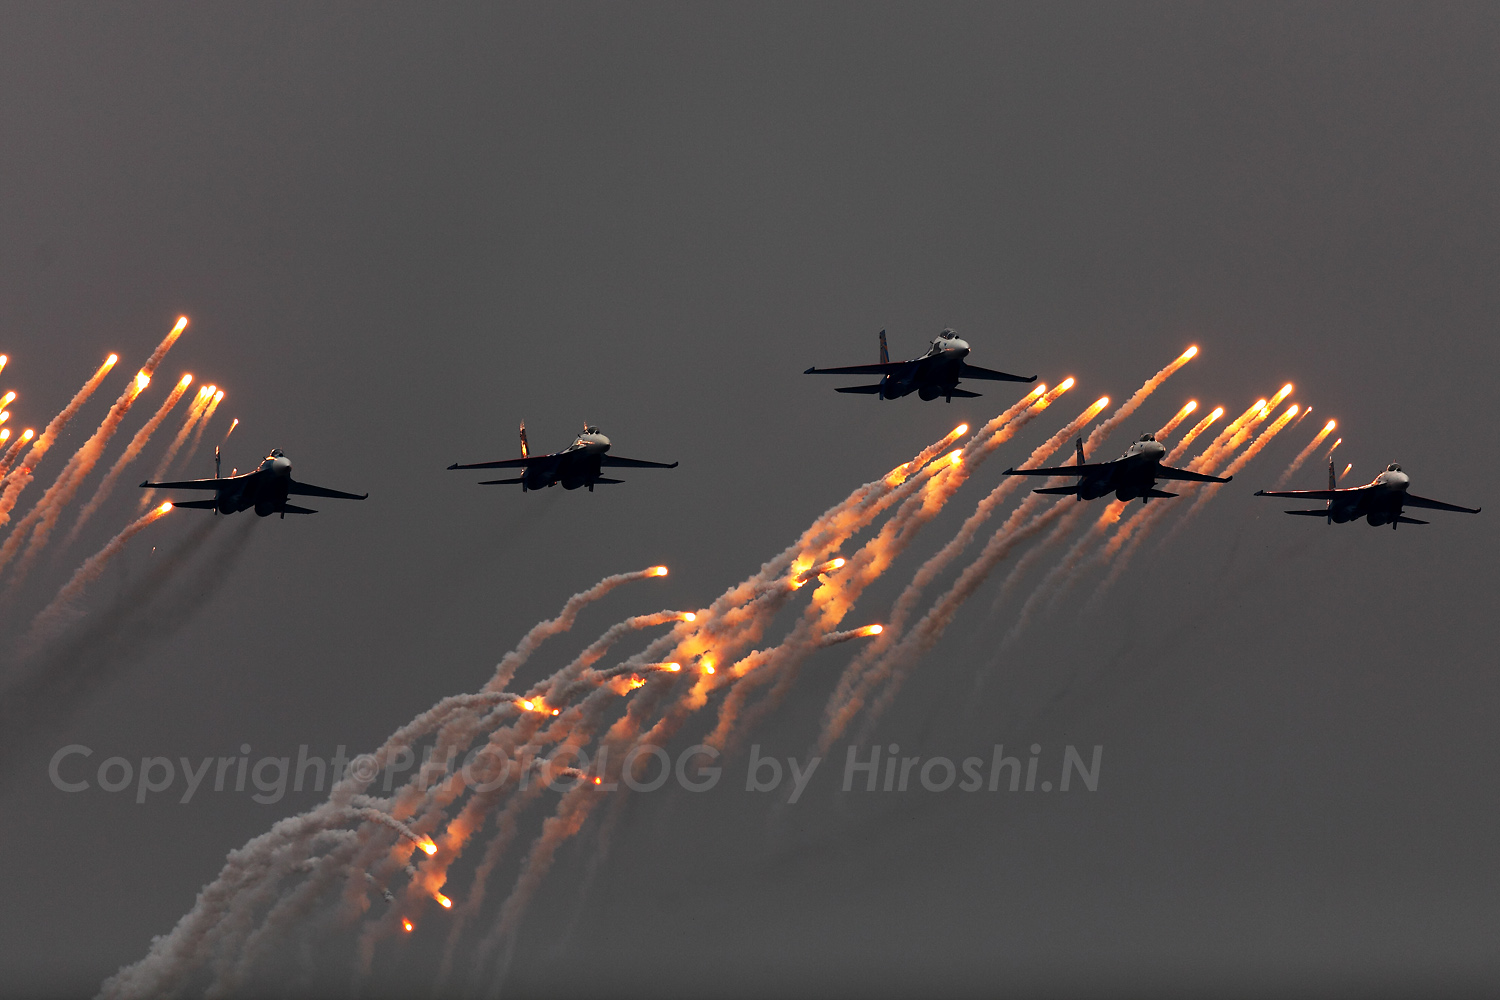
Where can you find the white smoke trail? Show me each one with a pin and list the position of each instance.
(20, 477)
(194, 413)
(60, 611)
(132, 450)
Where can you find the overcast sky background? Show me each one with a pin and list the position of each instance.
(401, 230)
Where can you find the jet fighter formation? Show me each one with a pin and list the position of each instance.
(1379, 502)
(1134, 475)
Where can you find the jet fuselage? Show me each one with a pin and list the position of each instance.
(934, 374)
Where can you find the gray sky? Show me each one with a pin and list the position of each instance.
(400, 230)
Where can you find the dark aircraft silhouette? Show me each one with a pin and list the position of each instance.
(1378, 502)
(577, 465)
(1133, 474)
(265, 489)
(934, 374)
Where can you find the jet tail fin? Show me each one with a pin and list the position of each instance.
(1333, 484)
(885, 354)
(1080, 449)
(525, 452)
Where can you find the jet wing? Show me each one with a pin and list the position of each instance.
(1165, 472)
(1310, 494)
(880, 369)
(974, 371)
(509, 463)
(1061, 470)
(195, 484)
(1415, 501)
(307, 490)
(633, 463)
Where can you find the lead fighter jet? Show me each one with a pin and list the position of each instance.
(934, 374)
(1378, 502)
(266, 489)
(1133, 474)
(578, 465)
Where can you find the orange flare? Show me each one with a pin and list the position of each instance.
(164, 507)
(141, 381)
(27, 434)
(873, 629)
(659, 570)
(109, 362)
(956, 457)
(7, 399)
(428, 846)
(5, 434)
(959, 431)
(688, 616)
(406, 925)
(443, 901)
(1189, 354)
(182, 322)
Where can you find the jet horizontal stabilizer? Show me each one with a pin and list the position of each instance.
(601, 479)
(503, 482)
(197, 504)
(1058, 489)
(869, 389)
(1411, 520)
(1309, 513)
(1158, 493)
(962, 392)
(287, 508)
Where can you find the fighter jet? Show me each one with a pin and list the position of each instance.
(266, 489)
(577, 465)
(934, 374)
(1133, 474)
(1378, 502)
